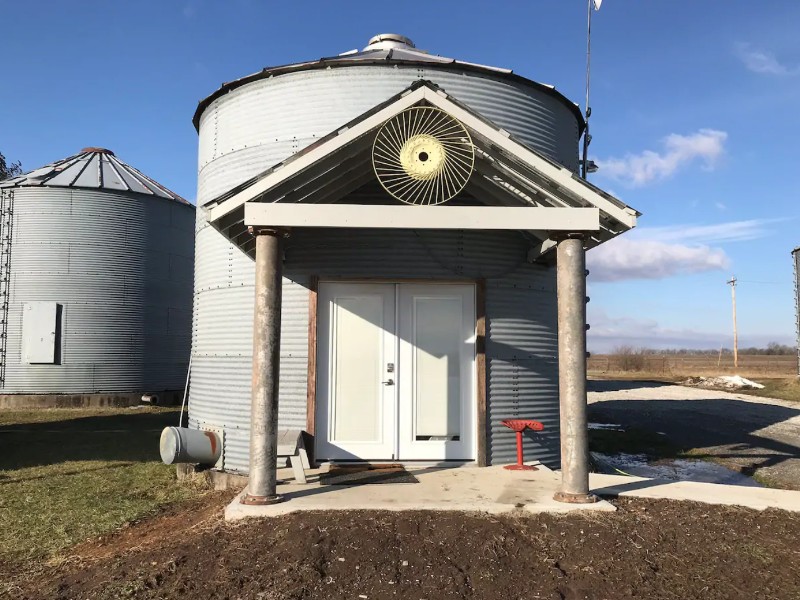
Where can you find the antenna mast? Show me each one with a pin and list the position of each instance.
(587, 138)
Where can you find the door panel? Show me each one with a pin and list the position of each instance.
(437, 393)
(436, 376)
(356, 343)
(396, 375)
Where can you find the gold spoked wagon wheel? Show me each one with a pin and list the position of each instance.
(423, 156)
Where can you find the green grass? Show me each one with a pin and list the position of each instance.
(783, 388)
(168, 415)
(67, 475)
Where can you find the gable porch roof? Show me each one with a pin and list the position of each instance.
(506, 174)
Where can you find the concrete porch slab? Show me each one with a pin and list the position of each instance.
(758, 498)
(490, 490)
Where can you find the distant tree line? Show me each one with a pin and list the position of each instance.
(771, 349)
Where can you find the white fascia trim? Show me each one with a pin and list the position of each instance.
(276, 214)
(316, 154)
(560, 175)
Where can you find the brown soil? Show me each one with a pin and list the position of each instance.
(648, 549)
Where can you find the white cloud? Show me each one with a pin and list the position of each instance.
(763, 62)
(624, 258)
(635, 170)
(732, 231)
(607, 333)
(661, 252)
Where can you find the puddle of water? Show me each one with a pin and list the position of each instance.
(680, 469)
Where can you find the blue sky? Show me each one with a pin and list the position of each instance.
(695, 121)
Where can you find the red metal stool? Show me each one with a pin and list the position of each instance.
(520, 425)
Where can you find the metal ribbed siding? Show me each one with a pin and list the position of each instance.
(222, 346)
(264, 122)
(254, 126)
(120, 264)
(522, 358)
(520, 306)
(521, 310)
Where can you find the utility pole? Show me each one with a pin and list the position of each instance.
(732, 283)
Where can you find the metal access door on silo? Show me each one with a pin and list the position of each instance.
(39, 332)
(396, 372)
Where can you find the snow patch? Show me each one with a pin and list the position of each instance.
(674, 470)
(729, 382)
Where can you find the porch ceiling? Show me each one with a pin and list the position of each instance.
(506, 173)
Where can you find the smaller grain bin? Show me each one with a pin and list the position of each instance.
(96, 264)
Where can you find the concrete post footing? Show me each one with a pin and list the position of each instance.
(261, 500)
(568, 498)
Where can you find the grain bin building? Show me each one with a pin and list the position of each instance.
(96, 285)
(406, 326)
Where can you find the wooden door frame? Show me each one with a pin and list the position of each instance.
(482, 454)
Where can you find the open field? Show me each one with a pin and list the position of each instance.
(70, 474)
(673, 366)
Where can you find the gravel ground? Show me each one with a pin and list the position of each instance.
(753, 435)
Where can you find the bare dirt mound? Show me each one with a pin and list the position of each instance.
(648, 549)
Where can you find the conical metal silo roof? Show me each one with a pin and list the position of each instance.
(93, 168)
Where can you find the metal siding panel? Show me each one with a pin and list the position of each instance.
(522, 353)
(222, 359)
(521, 311)
(523, 389)
(126, 298)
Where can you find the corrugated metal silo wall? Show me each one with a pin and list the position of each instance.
(254, 126)
(262, 123)
(521, 328)
(121, 266)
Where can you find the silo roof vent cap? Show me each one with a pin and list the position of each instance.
(98, 150)
(387, 41)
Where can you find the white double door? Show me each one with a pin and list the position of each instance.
(396, 377)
